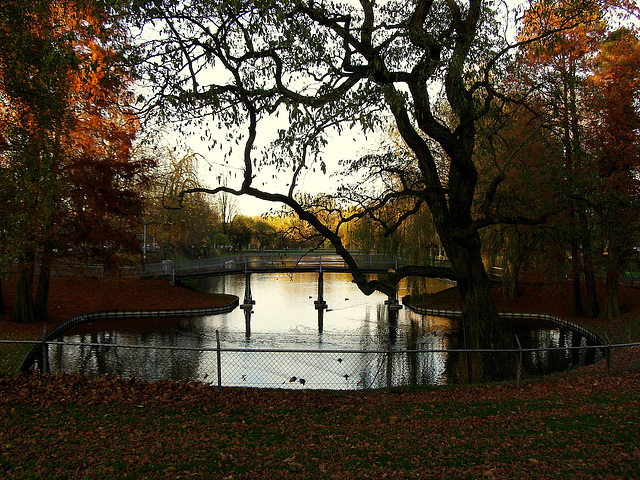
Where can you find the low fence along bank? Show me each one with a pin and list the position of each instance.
(544, 317)
(288, 368)
(36, 353)
(335, 369)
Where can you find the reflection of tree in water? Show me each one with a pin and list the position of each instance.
(85, 358)
(367, 370)
(412, 363)
(420, 365)
(563, 340)
(121, 354)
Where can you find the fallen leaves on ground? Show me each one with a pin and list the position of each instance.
(75, 427)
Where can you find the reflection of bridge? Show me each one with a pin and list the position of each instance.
(270, 262)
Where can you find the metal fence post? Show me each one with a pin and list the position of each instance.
(44, 366)
(219, 358)
(607, 353)
(389, 367)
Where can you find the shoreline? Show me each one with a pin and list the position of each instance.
(75, 296)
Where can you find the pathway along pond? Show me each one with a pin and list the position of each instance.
(284, 317)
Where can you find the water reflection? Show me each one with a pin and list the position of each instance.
(114, 348)
(569, 347)
(285, 316)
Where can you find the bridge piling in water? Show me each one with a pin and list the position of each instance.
(247, 323)
(392, 303)
(248, 301)
(320, 303)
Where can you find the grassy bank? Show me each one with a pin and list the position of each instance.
(75, 428)
(11, 354)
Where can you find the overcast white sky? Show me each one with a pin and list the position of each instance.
(348, 145)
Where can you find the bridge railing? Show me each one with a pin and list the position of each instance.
(266, 261)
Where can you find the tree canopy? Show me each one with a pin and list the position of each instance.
(71, 182)
(292, 72)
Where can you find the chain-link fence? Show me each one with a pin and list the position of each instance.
(305, 368)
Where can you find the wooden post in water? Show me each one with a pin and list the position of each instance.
(320, 303)
(248, 301)
(247, 322)
(392, 303)
(320, 320)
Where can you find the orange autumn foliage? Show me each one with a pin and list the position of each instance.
(73, 153)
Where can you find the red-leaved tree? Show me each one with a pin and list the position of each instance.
(614, 141)
(74, 181)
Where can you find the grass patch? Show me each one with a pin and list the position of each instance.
(11, 354)
(52, 426)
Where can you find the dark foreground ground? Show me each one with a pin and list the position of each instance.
(582, 424)
(70, 427)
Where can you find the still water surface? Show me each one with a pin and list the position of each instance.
(284, 317)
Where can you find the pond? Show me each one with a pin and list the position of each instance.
(345, 344)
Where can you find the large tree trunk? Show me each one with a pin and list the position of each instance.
(513, 279)
(2, 308)
(479, 310)
(41, 303)
(513, 260)
(593, 309)
(23, 311)
(576, 268)
(482, 326)
(611, 306)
